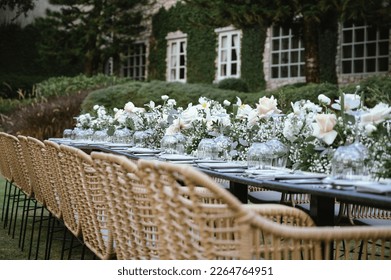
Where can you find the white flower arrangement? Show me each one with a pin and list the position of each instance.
(311, 131)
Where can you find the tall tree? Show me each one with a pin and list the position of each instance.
(306, 17)
(92, 30)
(19, 6)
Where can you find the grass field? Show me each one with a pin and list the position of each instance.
(9, 247)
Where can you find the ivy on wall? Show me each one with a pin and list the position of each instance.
(253, 43)
(202, 46)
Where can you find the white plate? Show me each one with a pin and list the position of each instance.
(301, 175)
(221, 165)
(372, 187)
(265, 172)
(137, 150)
(118, 145)
(175, 157)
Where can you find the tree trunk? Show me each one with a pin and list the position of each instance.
(311, 46)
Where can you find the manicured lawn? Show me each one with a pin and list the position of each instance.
(9, 249)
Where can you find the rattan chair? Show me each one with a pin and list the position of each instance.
(87, 211)
(189, 228)
(131, 216)
(365, 215)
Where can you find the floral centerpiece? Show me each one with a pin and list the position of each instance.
(311, 131)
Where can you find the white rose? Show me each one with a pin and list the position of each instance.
(324, 128)
(324, 99)
(267, 106)
(243, 111)
(226, 103)
(129, 107)
(376, 115)
(351, 101)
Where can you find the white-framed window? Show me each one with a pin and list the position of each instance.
(228, 53)
(287, 54)
(135, 62)
(176, 56)
(365, 49)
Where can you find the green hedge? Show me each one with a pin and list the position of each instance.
(375, 89)
(141, 93)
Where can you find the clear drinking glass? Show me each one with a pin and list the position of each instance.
(67, 133)
(207, 149)
(259, 156)
(279, 153)
(173, 144)
(224, 145)
(122, 135)
(348, 163)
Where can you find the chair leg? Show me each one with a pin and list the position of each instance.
(20, 193)
(4, 200)
(32, 229)
(39, 233)
(9, 195)
(25, 208)
(63, 244)
(12, 210)
(26, 220)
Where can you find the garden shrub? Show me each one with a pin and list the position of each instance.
(375, 89)
(233, 84)
(44, 119)
(141, 93)
(292, 93)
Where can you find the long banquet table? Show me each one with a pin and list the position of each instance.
(322, 203)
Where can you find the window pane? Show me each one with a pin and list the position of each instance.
(182, 61)
(275, 58)
(284, 57)
(275, 73)
(224, 70)
(285, 31)
(284, 72)
(182, 73)
(183, 46)
(223, 56)
(173, 75)
(234, 56)
(174, 48)
(285, 44)
(358, 66)
(224, 42)
(294, 57)
(383, 64)
(360, 35)
(359, 50)
(347, 52)
(276, 45)
(235, 40)
(234, 70)
(371, 65)
(347, 36)
(383, 48)
(346, 67)
(371, 49)
(295, 42)
(294, 71)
